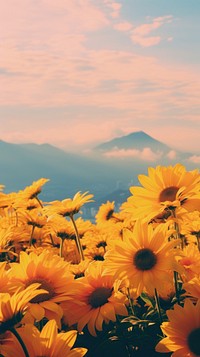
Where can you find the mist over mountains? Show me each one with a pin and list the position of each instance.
(107, 171)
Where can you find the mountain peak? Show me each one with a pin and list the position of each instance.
(137, 140)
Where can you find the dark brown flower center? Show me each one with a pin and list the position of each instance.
(194, 341)
(168, 194)
(44, 285)
(101, 244)
(35, 194)
(99, 296)
(144, 259)
(109, 214)
(10, 323)
(98, 257)
(63, 235)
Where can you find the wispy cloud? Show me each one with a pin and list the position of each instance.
(78, 64)
(146, 154)
(171, 155)
(142, 34)
(195, 159)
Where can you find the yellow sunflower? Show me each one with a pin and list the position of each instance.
(182, 331)
(33, 190)
(164, 188)
(144, 258)
(4, 279)
(12, 308)
(192, 288)
(6, 243)
(49, 342)
(190, 261)
(9, 345)
(190, 228)
(105, 212)
(78, 270)
(96, 298)
(52, 273)
(68, 206)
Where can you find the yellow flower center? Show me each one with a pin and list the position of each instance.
(99, 296)
(144, 259)
(44, 285)
(168, 194)
(194, 341)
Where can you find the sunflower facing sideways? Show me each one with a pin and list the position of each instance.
(52, 273)
(95, 298)
(68, 206)
(164, 188)
(13, 307)
(182, 331)
(49, 342)
(144, 259)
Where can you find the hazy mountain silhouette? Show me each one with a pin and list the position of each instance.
(141, 146)
(137, 140)
(102, 175)
(21, 164)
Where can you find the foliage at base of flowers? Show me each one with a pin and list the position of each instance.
(127, 284)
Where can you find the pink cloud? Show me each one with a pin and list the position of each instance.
(171, 154)
(146, 154)
(123, 26)
(140, 33)
(115, 8)
(195, 159)
(146, 41)
(46, 61)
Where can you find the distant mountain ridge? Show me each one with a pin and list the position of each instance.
(141, 146)
(102, 175)
(21, 164)
(137, 140)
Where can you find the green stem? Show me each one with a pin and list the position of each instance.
(158, 306)
(78, 241)
(51, 238)
(40, 203)
(30, 241)
(130, 302)
(16, 334)
(61, 247)
(176, 226)
(198, 240)
(176, 287)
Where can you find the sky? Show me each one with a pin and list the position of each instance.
(75, 73)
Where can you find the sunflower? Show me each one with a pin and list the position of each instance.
(192, 288)
(102, 237)
(182, 331)
(33, 190)
(164, 188)
(105, 212)
(96, 298)
(144, 258)
(8, 199)
(6, 244)
(9, 345)
(49, 342)
(52, 273)
(12, 308)
(190, 260)
(4, 279)
(68, 206)
(78, 270)
(190, 228)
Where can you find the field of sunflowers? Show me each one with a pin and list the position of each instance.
(126, 285)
